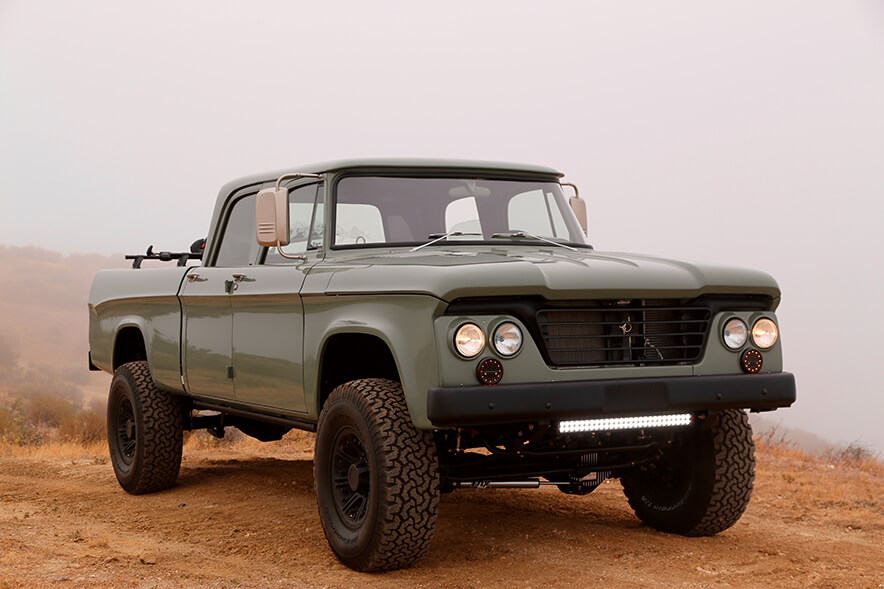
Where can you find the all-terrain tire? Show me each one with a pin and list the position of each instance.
(145, 430)
(376, 477)
(704, 481)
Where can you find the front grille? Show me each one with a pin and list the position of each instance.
(612, 333)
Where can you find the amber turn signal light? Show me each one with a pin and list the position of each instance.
(489, 371)
(751, 361)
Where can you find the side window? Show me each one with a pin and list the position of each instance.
(238, 244)
(316, 229)
(536, 212)
(561, 229)
(305, 223)
(358, 223)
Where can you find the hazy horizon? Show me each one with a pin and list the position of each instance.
(745, 134)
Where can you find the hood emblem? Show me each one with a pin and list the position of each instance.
(625, 328)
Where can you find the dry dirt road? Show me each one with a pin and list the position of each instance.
(244, 516)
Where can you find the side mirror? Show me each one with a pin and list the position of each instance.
(578, 205)
(272, 217)
(272, 213)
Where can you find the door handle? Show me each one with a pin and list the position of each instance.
(195, 278)
(242, 278)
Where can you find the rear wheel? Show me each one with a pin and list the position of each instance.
(145, 430)
(703, 482)
(376, 476)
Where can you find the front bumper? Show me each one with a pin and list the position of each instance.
(519, 403)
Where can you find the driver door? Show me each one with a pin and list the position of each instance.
(268, 316)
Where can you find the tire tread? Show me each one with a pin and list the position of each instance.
(162, 420)
(409, 492)
(733, 477)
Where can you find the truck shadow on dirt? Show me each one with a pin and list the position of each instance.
(474, 525)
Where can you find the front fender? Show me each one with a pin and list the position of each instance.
(403, 322)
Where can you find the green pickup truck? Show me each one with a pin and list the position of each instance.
(440, 325)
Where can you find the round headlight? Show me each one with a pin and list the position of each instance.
(469, 340)
(765, 333)
(735, 333)
(507, 339)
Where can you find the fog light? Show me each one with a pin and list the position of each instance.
(489, 371)
(618, 423)
(751, 361)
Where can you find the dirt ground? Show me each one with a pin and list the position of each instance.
(244, 516)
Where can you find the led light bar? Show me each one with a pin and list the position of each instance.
(615, 423)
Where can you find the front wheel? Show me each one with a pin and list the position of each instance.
(702, 483)
(376, 477)
(145, 430)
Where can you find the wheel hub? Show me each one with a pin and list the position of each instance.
(353, 477)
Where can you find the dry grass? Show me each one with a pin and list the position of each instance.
(845, 484)
(94, 451)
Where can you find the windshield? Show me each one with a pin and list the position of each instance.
(372, 211)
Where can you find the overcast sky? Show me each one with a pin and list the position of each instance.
(746, 133)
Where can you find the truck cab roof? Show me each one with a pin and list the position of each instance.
(397, 165)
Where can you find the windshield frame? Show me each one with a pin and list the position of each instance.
(567, 214)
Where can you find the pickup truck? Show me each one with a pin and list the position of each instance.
(440, 325)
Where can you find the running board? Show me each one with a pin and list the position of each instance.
(274, 419)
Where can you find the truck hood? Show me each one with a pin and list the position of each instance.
(552, 272)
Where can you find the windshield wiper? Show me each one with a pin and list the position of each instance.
(437, 237)
(522, 234)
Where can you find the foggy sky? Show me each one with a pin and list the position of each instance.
(747, 133)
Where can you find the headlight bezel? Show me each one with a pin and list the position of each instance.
(460, 343)
(729, 329)
(775, 331)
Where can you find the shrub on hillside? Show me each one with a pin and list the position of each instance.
(83, 427)
(43, 418)
(17, 431)
(49, 411)
(854, 454)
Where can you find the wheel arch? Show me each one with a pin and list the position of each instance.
(352, 354)
(129, 345)
(402, 324)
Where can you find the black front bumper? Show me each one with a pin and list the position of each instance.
(519, 403)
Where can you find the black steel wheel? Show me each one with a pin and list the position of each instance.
(702, 483)
(124, 420)
(145, 430)
(351, 477)
(376, 477)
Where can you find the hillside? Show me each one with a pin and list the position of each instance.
(44, 318)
